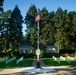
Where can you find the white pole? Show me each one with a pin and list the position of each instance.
(38, 42)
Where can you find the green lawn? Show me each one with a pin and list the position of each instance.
(52, 62)
(28, 62)
(24, 62)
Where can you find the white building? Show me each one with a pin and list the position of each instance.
(51, 48)
(25, 48)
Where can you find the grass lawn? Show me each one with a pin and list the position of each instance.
(52, 62)
(28, 62)
(24, 62)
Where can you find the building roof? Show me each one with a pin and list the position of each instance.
(50, 44)
(25, 44)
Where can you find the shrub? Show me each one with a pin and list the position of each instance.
(31, 55)
(71, 55)
(15, 53)
(75, 54)
(66, 55)
(49, 55)
(2, 54)
(63, 51)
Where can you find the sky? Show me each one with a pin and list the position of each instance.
(51, 5)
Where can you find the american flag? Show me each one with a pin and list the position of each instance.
(37, 19)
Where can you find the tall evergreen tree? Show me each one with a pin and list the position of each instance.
(58, 27)
(63, 27)
(51, 31)
(58, 22)
(74, 31)
(5, 32)
(16, 27)
(31, 25)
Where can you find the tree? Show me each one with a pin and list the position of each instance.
(51, 28)
(5, 29)
(67, 31)
(58, 22)
(74, 31)
(31, 25)
(1, 11)
(16, 27)
(57, 27)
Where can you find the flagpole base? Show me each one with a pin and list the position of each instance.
(38, 65)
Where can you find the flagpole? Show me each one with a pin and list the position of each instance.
(38, 63)
(38, 42)
(37, 19)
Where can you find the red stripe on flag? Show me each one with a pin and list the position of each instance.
(37, 19)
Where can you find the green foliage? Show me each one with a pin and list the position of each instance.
(63, 51)
(31, 55)
(66, 55)
(31, 25)
(16, 27)
(58, 27)
(4, 30)
(15, 53)
(75, 54)
(50, 55)
(2, 54)
(11, 30)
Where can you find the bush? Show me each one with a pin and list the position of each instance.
(71, 55)
(75, 54)
(15, 53)
(66, 55)
(8, 54)
(18, 55)
(2, 54)
(49, 55)
(63, 51)
(31, 55)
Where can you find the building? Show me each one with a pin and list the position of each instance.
(51, 48)
(25, 48)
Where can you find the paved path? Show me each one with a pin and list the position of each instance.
(60, 70)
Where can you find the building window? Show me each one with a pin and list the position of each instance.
(53, 49)
(23, 51)
(26, 51)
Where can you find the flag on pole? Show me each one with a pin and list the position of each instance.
(37, 19)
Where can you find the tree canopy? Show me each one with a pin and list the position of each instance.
(11, 29)
(58, 27)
